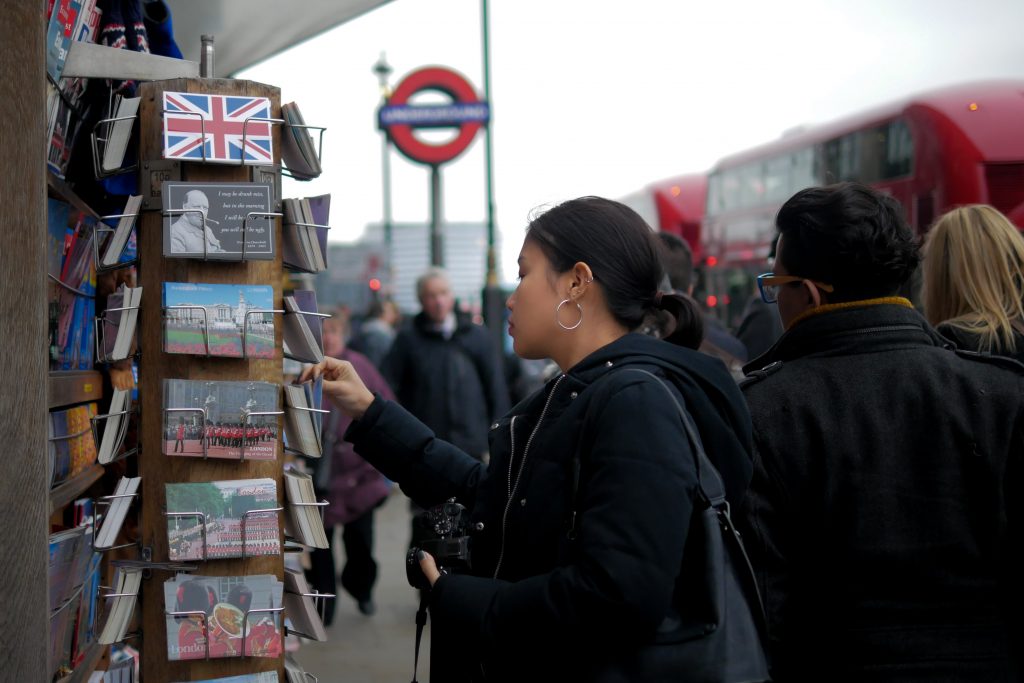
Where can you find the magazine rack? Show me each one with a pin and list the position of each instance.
(157, 469)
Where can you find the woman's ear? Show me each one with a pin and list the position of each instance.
(581, 279)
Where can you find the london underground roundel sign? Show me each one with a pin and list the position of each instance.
(466, 112)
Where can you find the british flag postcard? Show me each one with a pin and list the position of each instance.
(223, 129)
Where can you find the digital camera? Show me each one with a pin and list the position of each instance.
(440, 531)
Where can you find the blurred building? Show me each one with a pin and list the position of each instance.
(364, 269)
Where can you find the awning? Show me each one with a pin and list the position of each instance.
(249, 31)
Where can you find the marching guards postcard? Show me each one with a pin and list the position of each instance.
(210, 220)
(221, 419)
(232, 514)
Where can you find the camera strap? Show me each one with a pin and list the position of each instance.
(421, 621)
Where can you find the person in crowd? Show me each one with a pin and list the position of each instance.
(446, 370)
(355, 491)
(572, 579)
(677, 260)
(377, 332)
(974, 281)
(881, 516)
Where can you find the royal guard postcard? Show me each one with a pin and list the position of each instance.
(223, 616)
(232, 420)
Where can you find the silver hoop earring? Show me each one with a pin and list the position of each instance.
(558, 309)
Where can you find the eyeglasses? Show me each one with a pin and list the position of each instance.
(768, 285)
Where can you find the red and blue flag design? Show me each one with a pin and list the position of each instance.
(217, 128)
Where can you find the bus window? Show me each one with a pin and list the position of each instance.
(871, 155)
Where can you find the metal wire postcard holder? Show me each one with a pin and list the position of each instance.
(201, 411)
(96, 138)
(206, 323)
(122, 431)
(206, 328)
(101, 323)
(311, 314)
(101, 228)
(319, 411)
(203, 519)
(170, 213)
(245, 326)
(245, 624)
(202, 130)
(245, 425)
(314, 226)
(320, 602)
(143, 567)
(245, 525)
(77, 592)
(111, 596)
(73, 290)
(206, 624)
(107, 501)
(319, 147)
(322, 505)
(276, 611)
(68, 437)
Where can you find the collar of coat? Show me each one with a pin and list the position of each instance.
(827, 308)
(852, 327)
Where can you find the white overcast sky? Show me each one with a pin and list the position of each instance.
(604, 96)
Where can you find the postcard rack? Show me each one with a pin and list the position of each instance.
(100, 141)
(102, 228)
(158, 470)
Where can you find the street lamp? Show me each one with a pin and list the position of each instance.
(383, 71)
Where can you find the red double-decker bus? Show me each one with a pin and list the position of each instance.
(674, 205)
(959, 145)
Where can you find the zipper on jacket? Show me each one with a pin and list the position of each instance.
(512, 486)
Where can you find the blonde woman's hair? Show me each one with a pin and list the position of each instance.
(974, 275)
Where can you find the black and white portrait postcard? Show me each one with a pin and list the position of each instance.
(210, 220)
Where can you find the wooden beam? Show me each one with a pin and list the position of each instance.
(24, 485)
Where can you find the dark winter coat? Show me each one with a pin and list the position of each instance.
(356, 486)
(883, 519)
(972, 342)
(455, 386)
(561, 609)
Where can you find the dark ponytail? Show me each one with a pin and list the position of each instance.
(621, 251)
(679, 320)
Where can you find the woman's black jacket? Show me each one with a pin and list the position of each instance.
(591, 600)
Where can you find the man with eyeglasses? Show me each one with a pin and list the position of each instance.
(882, 517)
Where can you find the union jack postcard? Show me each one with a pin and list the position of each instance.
(223, 129)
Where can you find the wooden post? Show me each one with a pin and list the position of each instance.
(24, 486)
(155, 468)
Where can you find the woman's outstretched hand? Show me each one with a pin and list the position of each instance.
(342, 385)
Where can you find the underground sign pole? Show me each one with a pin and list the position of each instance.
(466, 113)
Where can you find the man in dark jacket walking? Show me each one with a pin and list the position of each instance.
(880, 518)
(445, 369)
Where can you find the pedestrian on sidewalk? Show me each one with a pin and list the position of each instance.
(974, 281)
(580, 563)
(883, 516)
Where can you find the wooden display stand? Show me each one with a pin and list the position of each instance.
(155, 366)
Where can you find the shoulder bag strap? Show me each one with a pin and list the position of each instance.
(711, 489)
